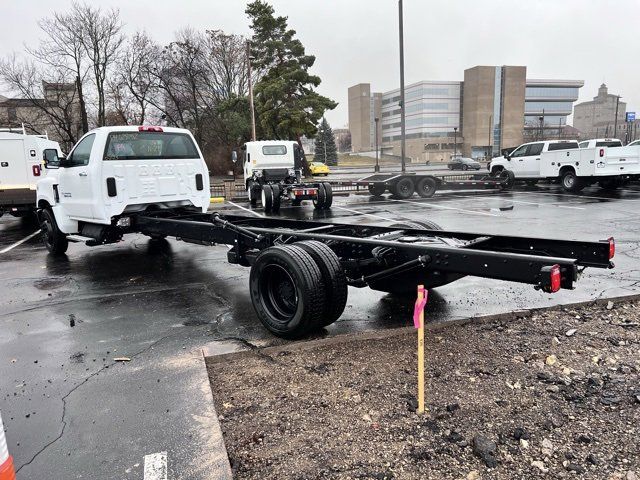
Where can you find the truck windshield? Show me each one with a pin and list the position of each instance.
(274, 150)
(149, 145)
(609, 143)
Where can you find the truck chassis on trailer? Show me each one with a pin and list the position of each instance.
(300, 270)
(404, 185)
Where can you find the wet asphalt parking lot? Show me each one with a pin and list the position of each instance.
(72, 411)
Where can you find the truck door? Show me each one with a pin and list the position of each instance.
(531, 162)
(516, 163)
(74, 181)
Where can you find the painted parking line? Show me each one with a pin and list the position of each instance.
(246, 209)
(25, 239)
(507, 199)
(470, 212)
(364, 213)
(578, 196)
(155, 466)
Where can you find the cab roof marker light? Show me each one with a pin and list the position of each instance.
(148, 128)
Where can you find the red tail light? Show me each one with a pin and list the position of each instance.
(612, 248)
(602, 152)
(147, 128)
(36, 170)
(554, 285)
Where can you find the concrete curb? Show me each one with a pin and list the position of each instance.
(217, 466)
(394, 332)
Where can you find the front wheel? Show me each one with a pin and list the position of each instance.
(55, 241)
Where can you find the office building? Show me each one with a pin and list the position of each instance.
(494, 107)
(597, 117)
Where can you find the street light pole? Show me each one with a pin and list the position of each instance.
(490, 153)
(615, 125)
(377, 164)
(253, 112)
(402, 123)
(455, 142)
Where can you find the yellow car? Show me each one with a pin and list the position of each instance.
(318, 168)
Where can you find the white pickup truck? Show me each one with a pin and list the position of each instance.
(573, 166)
(112, 172)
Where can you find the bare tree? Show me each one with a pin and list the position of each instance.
(134, 86)
(61, 49)
(53, 98)
(101, 39)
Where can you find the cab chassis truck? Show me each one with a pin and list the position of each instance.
(300, 270)
(154, 181)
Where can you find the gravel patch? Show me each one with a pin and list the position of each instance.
(552, 394)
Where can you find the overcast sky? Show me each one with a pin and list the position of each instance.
(356, 40)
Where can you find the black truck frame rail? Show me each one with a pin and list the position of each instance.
(300, 268)
(404, 185)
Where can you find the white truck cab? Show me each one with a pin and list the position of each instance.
(524, 161)
(601, 142)
(273, 170)
(114, 172)
(21, 160)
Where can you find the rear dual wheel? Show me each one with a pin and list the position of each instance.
(296, 289)
(324, 200)
(271, 198)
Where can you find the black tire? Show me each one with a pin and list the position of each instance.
(495, 171)
(321, 199)
(267, 198)
(427, 187)
(55, 241)
(570, 181)
(465, 167)
(333, 276)
(287, 291)
(418, 225)
(377, 189)
(507, 179)
(276, 198)
(253, 191)
(328, 195)
(403, 188)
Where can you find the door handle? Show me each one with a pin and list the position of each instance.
(537, 159)
(82, 174)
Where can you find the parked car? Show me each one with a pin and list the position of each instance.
(463, 163)
(319, 168)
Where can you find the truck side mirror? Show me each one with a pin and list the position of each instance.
(51, 159)
(234, 156)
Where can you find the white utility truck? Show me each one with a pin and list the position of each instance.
(21, 158)
(113, 172)
(601, 142)
(573, 166)
(272, 171)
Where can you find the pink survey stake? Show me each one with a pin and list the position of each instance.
(419, 307)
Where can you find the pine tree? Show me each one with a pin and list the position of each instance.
(325, 145)
(287, 107)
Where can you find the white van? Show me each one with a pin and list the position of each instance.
(21, 158)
